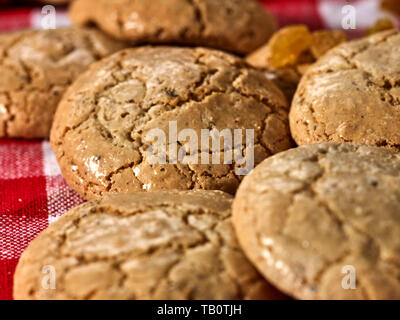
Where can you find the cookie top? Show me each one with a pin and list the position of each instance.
(161, 245)
(102, 126)
(36, 67)
(352, 94)
(319, 218)
(239, 26)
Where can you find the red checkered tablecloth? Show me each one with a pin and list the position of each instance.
(32, 195)
(32, 191)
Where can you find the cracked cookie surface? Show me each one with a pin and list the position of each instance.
(100, 126)
(352, 94)
(159, 245)
(36, 68)
(305, 214)
(238, 26)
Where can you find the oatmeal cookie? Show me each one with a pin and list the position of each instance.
(156, 245)
(103, 124)
(352, 94)
(322, 221)
(36, 67)
(238, 26)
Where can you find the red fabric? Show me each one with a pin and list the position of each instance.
(32, 190)
(32, 194)
(295, 12)
(15, 19)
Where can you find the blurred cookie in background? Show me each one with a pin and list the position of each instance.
(36, 67)
(239, 26)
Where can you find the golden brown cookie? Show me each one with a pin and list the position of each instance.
(102, 126)
(36, 67)
(234, 25)
(352, 94)
(161, 245)
(322, 221)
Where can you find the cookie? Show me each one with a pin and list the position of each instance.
(36, 67)
(351, 94)
(103, 126)
(238, 26)
(161, 245)
(322, 221)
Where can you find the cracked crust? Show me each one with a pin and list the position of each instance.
(161, 245)
(304, 214)
(352, 94)
(99, 128)
(239, 26)
(36, 68)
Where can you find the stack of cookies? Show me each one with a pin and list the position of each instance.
(131, 105)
